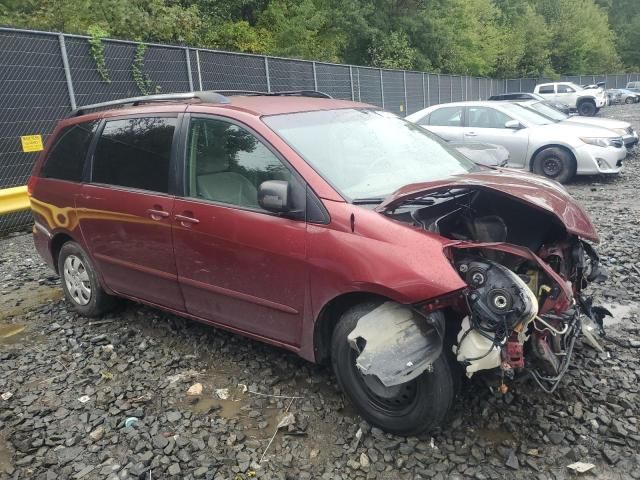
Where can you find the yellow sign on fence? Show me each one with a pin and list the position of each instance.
(31, 143)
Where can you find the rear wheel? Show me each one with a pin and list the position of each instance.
(80, 282)
(587, 108)
(555, 163)
(406, 409)
(629, 100)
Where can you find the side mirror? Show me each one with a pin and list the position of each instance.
(513, 125)
(274, 196)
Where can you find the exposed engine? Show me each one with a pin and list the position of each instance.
(523, 309)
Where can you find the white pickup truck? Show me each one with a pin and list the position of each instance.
(586, 101)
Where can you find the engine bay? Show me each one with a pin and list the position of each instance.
(523, 309)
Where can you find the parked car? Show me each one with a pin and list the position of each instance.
(487, 154)
(634, 86)
(329, 228)
(532, 96)
(586, 102)
(622, 95)
(624, 129)
(535, 142)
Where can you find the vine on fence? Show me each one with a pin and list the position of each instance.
(96, 34)
(143, 81)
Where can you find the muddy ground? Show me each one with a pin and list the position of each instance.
(93, 399)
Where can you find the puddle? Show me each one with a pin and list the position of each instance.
(494, 436)
(225, 408)
(27, 299)
(11, 333)
(620, 313)
(5, 455)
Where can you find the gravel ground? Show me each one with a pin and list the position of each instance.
(108, 398)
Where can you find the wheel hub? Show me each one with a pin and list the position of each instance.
(551, 166)
(77, 280)
(390, 399)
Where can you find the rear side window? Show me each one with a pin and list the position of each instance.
(546, 89)
(66, 158)
(446, 117)
(135, 153)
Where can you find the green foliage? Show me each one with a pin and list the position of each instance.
(393, 51)
(476, 37)
(143, 81)
(96, 47)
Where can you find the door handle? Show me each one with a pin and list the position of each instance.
(183, 219)
(471, 134)
(156, 214)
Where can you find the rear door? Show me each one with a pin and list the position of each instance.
(547, 91)
(486, 125)
(239, 265)
(125, 210)
(445, 121)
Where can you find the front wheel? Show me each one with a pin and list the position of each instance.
(587, 109)
(629, 100)
(407, 409)
(80, 282)
(554, 163)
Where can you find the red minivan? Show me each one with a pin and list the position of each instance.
(327, 227)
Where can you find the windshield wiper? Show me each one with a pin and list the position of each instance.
(367, 201)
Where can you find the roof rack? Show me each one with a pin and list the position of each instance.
(286, 93)
(203, 96)
(206, 96)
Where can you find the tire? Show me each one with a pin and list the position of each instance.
(629, 100)
(555, 163)
(80, 282)
(587, 108)
(408, 409)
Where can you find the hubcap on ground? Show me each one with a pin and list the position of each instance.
(76, 278)
(551, 166)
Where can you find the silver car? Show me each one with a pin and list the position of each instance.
(622, 95)
(624, 129)
(536, 143)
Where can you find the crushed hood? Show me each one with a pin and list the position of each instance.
(536, 191)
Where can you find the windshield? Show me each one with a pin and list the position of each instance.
(577, 88)
(546, 111)
(525, 115)
(368, 154)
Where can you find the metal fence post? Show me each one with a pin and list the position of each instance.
(439, 101)
(520, 84)
(381, 88)
(266, 73)
(199, 70)
(67, 71)
(404, 81)
(358, 76)
(315, 76)
(451, 88)
(188, 59)
(351, 81)
(424, 93)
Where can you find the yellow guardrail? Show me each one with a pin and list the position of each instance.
(14, 199)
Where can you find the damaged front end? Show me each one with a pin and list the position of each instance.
(525, 268)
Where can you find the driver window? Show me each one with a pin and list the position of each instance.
(227, 163)
(484, 117)
(565, 89)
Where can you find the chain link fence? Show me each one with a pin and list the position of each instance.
(43, 75)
